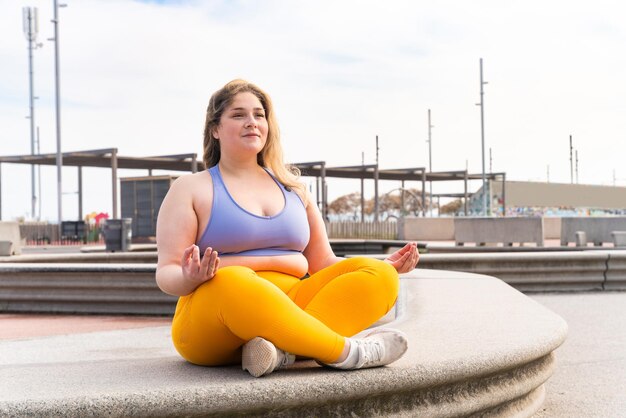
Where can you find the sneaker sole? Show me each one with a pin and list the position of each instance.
(258, 356)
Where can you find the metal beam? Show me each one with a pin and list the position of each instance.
(80, 193)
(114, 181)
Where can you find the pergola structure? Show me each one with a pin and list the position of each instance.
(109, 158)
(319, 170)
(106, 158)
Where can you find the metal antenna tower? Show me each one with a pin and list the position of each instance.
(31, 28)
(482, 135)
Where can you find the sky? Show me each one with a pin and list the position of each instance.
(137, 76)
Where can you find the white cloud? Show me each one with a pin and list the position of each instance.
(137, 76)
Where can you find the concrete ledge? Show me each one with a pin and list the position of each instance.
(10, 232)
(616, 271)
(554, 271)
(131, 289)
(498, 230)
(84, 257)
(82, 288)
(477, 346)
(597, 228)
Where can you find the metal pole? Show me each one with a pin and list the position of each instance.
(482, 135)
(424, 193)
(80, 192)
(430, 164)
(489, 184)
(30, 30)
(362, 188)
(465, 194)
(194, 164)
(39, 176)
(317, 192)
(114, 180)
(57, 84)
(504, 194)
(576, 166)
(376, 184)
(323, 192)
(571, 161)
(402, 198)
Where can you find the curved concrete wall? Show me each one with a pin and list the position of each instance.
(476, 346)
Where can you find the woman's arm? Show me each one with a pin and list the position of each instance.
(179, 270)
(318, 252)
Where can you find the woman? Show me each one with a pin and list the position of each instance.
(234, 242)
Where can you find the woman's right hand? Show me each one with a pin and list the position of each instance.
(197, 271)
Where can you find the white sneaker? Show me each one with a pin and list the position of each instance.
(379, 348)
(260, 357)
(374, 348)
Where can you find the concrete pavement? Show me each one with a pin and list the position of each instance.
(590, 376)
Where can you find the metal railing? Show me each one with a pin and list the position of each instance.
(43, 233)
(362, 230)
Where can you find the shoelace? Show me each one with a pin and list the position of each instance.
(370, 352)
(286, 358)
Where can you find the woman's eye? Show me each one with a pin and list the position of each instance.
(237, 115)
(260, 115)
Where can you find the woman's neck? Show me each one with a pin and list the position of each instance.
(238, 167)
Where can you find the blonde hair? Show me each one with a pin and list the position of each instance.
(271, 156)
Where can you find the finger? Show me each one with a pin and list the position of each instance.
(206, 261)
(187, 253)
(406, 248)
(212, 259)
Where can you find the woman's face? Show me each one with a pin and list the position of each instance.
(243, 128)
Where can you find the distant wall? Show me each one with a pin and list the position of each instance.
(443, 229)
(426, 229)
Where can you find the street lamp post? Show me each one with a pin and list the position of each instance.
(59, 159)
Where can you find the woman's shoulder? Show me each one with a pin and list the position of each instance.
(190, 182)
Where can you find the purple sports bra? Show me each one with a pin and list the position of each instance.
(232, 230)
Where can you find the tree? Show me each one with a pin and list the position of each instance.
(452, 208)
(389, 204)
(346, 204)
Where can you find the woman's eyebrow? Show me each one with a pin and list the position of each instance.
(239, 109)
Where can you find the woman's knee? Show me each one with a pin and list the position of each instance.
(382, 273)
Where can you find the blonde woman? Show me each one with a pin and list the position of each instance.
(235, 243)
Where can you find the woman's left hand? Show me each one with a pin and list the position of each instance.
(405, 259)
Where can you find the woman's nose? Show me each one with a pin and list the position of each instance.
(250, 121)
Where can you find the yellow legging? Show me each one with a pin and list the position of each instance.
(307, 317)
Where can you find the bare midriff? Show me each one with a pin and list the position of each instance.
(293, 264)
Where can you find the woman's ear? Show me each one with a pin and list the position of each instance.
(214, 134)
